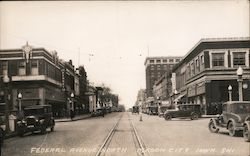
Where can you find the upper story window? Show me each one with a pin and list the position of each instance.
(5, 67)
(202, 59)
(197, 64)
(177, 60)
(171, 60)
(192, 68)
(158, 61)
(165, 60)
(158, 67)
(151, 61)
(22, 68)
(152, 67)
(218, 60)
(34, 67)
(239, 58)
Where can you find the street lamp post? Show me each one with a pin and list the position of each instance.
(230, 93)
(19, 96)
(72, 106)
(6, 81)
(240, 81)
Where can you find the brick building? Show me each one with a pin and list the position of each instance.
(206, 71)
(40, 76)
(156, 67)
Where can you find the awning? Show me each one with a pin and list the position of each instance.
(179, 97)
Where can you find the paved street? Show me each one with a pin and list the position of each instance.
(159, 137)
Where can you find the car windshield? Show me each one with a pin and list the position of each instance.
(29, 112)
(241, 108)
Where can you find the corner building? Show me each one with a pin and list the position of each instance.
(40, 76)
(206, 71)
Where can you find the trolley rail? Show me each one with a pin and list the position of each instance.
(137, 142)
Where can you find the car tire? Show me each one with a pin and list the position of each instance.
(194, 116)
(212, 128)
(246, 133)
(231, 129)
(168, 117)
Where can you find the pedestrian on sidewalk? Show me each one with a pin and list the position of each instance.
(72, 114)
(1, 139)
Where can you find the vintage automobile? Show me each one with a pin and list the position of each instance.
(135, 109)
(235, 118)
(192, 111)
(153, 110)
(36, 118)
(99, 112)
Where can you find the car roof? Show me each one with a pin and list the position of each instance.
(235, 102)
(36, 106)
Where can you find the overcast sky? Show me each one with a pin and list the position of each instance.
(112, 39)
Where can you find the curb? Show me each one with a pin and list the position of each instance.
(76, 119)
(10, 135)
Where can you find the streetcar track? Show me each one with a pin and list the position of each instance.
(140, 147)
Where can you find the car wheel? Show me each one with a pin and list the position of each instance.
(168, 117)
(246, 133)
(231, 129)
(194, 116)
(212, 127)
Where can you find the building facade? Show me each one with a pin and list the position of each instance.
(155, 68)
(204, 74)
(40, 77)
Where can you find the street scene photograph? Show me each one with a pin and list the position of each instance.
(125, 78)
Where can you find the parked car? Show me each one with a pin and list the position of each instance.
(135, 109)
(235, 118)
(36, 118)
(99, 112)
(153, 110)
(192, 111)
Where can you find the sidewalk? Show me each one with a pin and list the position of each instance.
(10, 135)
(78, 117)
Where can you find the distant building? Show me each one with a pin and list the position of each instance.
(156, 67)
(206, 71)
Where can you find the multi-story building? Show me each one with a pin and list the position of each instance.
(206, 71)
(40, 77)
(156, 67)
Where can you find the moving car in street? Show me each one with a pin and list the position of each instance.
(235, 118)
(36, 118)
(135, 109)
(192, 111)
(99, 112)
(153, 110)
